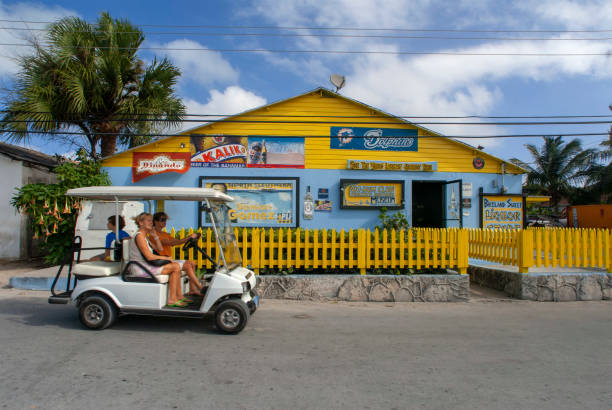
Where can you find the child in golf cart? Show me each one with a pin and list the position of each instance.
(163, 242)
(112, 236)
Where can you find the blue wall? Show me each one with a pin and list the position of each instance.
(184, 214)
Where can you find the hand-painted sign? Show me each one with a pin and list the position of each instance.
(259, 202)
(145, 164)
(502, 211)
(218, 151)
(373, 139)
(275, 152)
(372, 194)
(361, 165)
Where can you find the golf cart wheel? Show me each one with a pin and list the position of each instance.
(97, 312)
(231, 316)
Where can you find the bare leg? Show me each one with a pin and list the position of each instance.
(174, 282)
(194, 282)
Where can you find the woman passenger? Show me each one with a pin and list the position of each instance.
(142, 252)
(163, 242)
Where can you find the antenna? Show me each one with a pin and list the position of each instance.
(338, 81)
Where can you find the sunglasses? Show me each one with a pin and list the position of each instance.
(163, 219)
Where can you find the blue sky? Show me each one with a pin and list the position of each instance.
(401, 84)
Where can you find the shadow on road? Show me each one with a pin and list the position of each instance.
(36, 312)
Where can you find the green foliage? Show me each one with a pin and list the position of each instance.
(557, 168)
(53, 214)
(89, 77)
(396, 221)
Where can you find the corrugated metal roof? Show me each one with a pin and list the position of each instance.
(27, 155)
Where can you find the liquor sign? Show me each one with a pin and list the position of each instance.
(501, 211)
(361, 165)
(368, 194)
(258, 202)
(373, 139)
(218, 151)
(145, 164)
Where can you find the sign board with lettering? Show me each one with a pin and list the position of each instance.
(369, 165)
(219, 151)
(145, 164)
(258, 202)
(502, 211)
(371, 194)
(374, 139)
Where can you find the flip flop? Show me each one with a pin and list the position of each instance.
(179, 304)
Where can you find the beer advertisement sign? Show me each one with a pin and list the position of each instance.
(218, 151)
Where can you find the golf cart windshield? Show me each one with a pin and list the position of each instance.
(225, 234)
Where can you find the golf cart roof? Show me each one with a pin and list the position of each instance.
(138, 193)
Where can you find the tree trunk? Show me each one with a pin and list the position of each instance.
(108, 145)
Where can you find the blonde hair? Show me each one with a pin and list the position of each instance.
(140, 217)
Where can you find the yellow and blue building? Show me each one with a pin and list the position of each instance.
(321, 160)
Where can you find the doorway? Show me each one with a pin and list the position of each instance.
(437, 204)
(427, 204)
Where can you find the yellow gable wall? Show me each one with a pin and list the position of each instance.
(317, 107)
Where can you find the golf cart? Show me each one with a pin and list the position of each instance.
(103, 290)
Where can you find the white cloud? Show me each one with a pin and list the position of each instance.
(203, 68)
(27, 12)
(233, 100)
(575, 15)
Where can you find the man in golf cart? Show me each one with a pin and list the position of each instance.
(112, 237)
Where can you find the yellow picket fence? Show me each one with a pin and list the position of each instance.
(549, 247)
(361, 249)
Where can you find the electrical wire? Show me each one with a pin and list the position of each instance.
(247, 27)
(184, 134)
(282, 51)
(324, 35)
(352, 116)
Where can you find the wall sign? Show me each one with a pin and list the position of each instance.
(373, 139)
(258, 202)
(218, 151)
(478, 163)
(145, 164)
(361, 165)
(502, 211)
(371, 194)
(275, 152)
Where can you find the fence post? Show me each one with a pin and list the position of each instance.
(463, 250)
(525, 250)
(361, 251)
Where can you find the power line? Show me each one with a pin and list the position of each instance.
(307, 136)
(225, 120)
(325, 35)
(350, 116)
(318, 28)
(282, 51)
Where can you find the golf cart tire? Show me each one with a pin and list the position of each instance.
(231, 316)
(97, 312)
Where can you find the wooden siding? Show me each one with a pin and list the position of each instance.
(317, 107)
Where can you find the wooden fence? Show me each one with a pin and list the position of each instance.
(361, 249)
(550, 247)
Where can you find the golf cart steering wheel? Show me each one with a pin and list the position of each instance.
(191, 243)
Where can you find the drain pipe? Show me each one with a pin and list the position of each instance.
(502, 190)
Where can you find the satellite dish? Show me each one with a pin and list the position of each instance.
(338, 81)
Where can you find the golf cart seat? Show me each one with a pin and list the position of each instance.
(97, 268)
(126, 258)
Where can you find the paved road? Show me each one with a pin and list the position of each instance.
(297, 355)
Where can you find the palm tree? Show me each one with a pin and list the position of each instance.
(557, 168)
(599, 174)
(89, 77)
